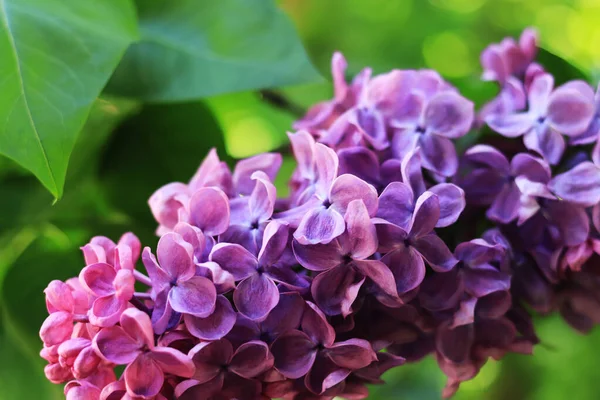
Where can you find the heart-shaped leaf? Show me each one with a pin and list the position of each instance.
(56, 57)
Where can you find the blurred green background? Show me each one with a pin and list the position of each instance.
(127, 150)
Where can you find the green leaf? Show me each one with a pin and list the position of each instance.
(191, 50)
(56, 57)
(560, 68)
(24, 202)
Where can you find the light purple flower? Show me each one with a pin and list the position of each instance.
(397, 201)
(430, 123)
(345, 265)
(495, 181)
(322, 115)
(320, 219)
(250, 215)
(566, 110)
(508, 58)
(175, 286)
(256, 293)
(132, 343)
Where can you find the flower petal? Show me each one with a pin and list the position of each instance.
(379, 274)
(251, 359)
(360, 162)
(438, 154)
(408, 268)
(59, 297)
(505, 207)
(269, 163)
(449, 114)
(484, 155)
(196, 296)
(137, 324)
(426, 215)
(234, 259)
(318, 257)
(452, 203)
(485, 279)
(175, 256)
(569, 111)
(174, 362)
(346, 188)
(294, 354)
(361, 237)
(191, 389)
(411, 171)
(549, 143)
(275, 240)
(106, 310)
(396, 204)
(57, 328)
(166, 202)
(303, 146)
(143, 377)
(441, 291)
(580, 185)
(216, 325)
(435, 252)
(209, 211)
(572, 222)
(324, 374)
(511, 125)
(320, 225)
(315, 325)
(116, 346)
(286, 315)
(98, 279)
(336, 289)
(209, 358)
(539, 93)
(255, 296)
(327, 163)
(351, 354)
(262, 199)
(455, 344)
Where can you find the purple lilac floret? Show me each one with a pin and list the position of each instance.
(393, 245)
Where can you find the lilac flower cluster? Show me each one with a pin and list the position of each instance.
(391, 246)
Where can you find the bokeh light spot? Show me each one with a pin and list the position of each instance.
(448, 53)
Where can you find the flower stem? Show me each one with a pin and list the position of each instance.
(142, 278)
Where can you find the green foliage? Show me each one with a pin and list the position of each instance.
(191, 50)
(56, 57)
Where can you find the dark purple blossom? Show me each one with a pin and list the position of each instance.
(314, 354)
(406, 250)
(222, 373)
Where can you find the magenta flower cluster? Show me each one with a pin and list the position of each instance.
(393, 244)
